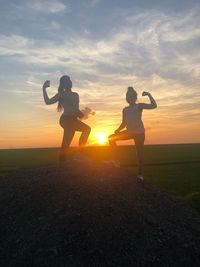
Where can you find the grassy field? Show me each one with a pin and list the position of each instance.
(176, 168)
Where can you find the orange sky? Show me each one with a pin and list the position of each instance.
(38, 127)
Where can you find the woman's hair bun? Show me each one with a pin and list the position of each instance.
(130, 89)
(130, 94)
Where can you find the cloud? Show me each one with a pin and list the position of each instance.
(55, 25)
(183, 27)
(144, 45)
(14, 44)
(49, 6)
(93, 3)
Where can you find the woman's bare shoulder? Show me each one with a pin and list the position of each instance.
(125, 108)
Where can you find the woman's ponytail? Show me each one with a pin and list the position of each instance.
(60, 92)
(65, 83)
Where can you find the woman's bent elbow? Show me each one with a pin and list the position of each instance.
(47, 103)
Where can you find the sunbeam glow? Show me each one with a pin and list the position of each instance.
(101, 138)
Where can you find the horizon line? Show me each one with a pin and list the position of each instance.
(97, 146)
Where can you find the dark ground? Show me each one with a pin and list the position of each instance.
(93, 216)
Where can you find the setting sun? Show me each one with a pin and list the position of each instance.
(101, 138)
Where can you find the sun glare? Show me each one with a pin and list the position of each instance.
(101, 138)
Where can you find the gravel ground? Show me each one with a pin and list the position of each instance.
(93, 215)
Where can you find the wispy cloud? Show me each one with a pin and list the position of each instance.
(93, 3)
(141, 49)
(45, 6)
(55, 25)
(14, 44)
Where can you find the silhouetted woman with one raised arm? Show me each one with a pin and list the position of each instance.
(132, 120)
(68, 102)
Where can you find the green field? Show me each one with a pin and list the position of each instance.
(176, 168)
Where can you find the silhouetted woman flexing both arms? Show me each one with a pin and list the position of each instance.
(68, 102)
(132, 120)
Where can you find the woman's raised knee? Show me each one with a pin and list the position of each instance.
(110, 137)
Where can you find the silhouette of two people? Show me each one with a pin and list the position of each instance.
(68, 102)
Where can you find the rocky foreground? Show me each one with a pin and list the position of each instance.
(93, 215)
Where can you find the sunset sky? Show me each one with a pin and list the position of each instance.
(104, 46)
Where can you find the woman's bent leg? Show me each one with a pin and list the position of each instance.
(113, 138)
(139, 143)
(124, 135)
(85, 132)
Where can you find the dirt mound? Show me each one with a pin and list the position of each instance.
(93, 215)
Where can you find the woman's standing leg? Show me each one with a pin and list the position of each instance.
(139, 143)
(67, 137)
(68, 126)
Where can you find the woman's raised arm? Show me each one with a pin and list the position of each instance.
(152, 104)
(47, 100)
